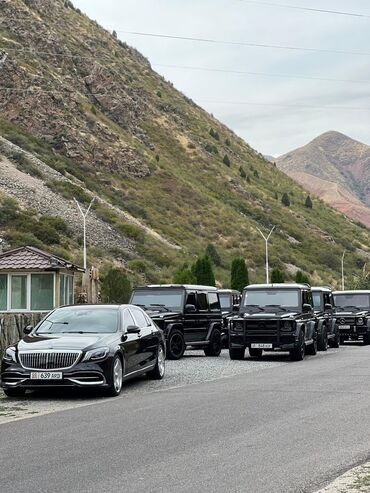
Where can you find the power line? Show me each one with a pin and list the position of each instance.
(309, 9)
(243, 43)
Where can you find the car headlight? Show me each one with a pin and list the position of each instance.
(96, 354)
(238, 327)
(9, 355)
(360, 321)
(287, 325)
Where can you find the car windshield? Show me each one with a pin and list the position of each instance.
(172, 300)
(77, 320)
(316, 299)
(225, 301)
(262, 299)
(352, 300)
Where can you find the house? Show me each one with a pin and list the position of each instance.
(32, 280)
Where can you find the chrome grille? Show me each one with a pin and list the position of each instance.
(49, 360)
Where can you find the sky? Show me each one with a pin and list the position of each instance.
(274, 113)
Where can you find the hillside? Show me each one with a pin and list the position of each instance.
(335, 168)
(82, 114)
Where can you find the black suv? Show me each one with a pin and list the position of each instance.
(230, 302)
(274, 317)
(352, 311)
(190, 316)
(327, 329)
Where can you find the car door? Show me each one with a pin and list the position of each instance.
(329, 313)
(204, 316)
(130, 343)
(310, 324)
(191, 322)
(148, 341)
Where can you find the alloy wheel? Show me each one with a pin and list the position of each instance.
(117, 375)
(161, 361)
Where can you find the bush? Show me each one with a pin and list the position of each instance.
(242, 172)
(239, 274)
(226, 160)
(203, 271)
(285, 200)
(115, 286)
(308, 202)
(213, 254)
(276, 275)
(184, 275)
(302, 278)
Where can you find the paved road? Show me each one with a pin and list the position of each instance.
(288, 428)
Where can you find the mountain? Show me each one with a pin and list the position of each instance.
(83, 115)
(335, 168)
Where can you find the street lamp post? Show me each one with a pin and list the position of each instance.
(343, 270)
(266, 238)
(84, 216)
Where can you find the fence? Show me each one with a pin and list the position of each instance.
(12, 325)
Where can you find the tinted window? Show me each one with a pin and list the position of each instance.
(316, 299)
(80, 320)
(214, 303)
(202, 302)
(284, 297)
(127, 320)
(225, 301)
(307, 298)
(191, 299)
(169, 299)
(352, 299)
(140, 318)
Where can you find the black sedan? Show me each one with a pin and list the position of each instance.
(96, 346)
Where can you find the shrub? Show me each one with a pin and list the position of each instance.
(308, 202)
(302, 278)
(227, 142)
(276, 275)
(226, 160)
(239, 274)
(255, 173)
(242, 172)
(213, 254)
(203, 271)
(184, 275)
(115, 286)
(285, 200)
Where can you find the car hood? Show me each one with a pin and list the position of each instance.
(63, 342)
(161, 315)
(270, 315)
(348, 313)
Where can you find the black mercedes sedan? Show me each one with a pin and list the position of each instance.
(96, 346)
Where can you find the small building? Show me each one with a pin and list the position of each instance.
(32, 280)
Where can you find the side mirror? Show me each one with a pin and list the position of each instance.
(307, 308)
(133, 329)
(328, 306)
(190, 309)
(27, 330)
(236, 308)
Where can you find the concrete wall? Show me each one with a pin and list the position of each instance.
(12, 325)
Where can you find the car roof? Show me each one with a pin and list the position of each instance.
(92, 306)
(232, 291)
(354, 291)
(324, 289)
(292, 285)
(179, 286)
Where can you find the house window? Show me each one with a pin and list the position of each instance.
(19, 293)
(3, 291)
(42, 291)
(66, 290)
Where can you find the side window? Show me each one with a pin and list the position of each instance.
(332, 300)
(140, 318)
(191, 299)
(307, 298)
(202, 302)
(214, 302)
(127, 320)
(327, 298)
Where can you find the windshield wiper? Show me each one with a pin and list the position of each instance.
(160, 306)
(76, 332)
(277, 306)
(342, 308)
(247, 307)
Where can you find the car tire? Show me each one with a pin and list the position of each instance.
(255, 353)
(175, 345)
(335, 343)
(312, 348)
(322, 340)
(366, 339)
(14, 392)
(236, 353)
(215, 344)
(298, 353)
(116, 377)
(160, 366)
(342, 340)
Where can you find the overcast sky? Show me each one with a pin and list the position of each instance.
(268, 127)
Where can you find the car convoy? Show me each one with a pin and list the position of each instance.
(102, 346)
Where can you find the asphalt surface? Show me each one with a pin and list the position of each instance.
(288, 427)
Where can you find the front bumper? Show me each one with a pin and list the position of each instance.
(279, 342)
(353, 330)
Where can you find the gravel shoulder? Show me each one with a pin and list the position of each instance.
(194, 368)
(356, 480)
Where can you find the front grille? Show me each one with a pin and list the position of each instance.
(345, 320)
(49, 360)
(265, 328)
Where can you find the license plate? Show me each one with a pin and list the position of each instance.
(46, 375)
(261, 346)
(344, 327)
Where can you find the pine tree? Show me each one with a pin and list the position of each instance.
(226, 160)
(302, 278)
(285, 200)
(308, 202)
(203, 271)
(239, 274)
(276, 275)
(184, 275)
(115, 286)
(213, 254)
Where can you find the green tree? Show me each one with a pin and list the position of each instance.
(213, 254)
(308, 202)
(256, 174)
(226, 160)
(227, 142)
(239, 274)
(242, 172)
(184, 275)
(285, 200)
(115, 286)
(203, 271)
(302, 278)
(276, 275)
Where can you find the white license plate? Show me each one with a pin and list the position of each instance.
(344, 327)
(46, 375)
(261, 346)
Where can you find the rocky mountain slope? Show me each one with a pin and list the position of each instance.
(82, 114)
(335, 168)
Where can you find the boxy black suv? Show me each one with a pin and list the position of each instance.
(327, 328)
(352, 311)
(230, 302)
(274, 317)
(190, 316)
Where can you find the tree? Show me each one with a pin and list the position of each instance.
(239, 274)
(256, 174)
(227, 142)
(308, 202)
(114, 34)
(203, 271)
(115, 286)
(226, 160)
(242, 172)
(213, 254)
(276, 275)
(285, 200)
(184, 275)
(302, 278)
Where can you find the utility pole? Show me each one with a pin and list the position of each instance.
(343, 270)
(84, 216)
(266, 238)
